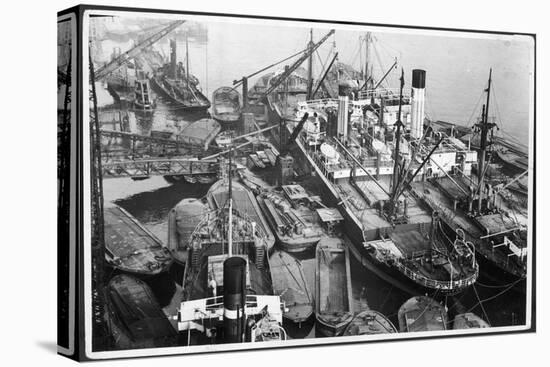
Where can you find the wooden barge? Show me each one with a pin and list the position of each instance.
(422, 314)
(132, 248)
(369, 322)
(333, 293)
(138, 319)
(290, 284)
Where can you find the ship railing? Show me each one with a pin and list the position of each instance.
(317, 104)
(382, 93)
(488, 251)
(438, 284)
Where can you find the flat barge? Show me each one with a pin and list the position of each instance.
(422, 314)
(290, 284)
(132, 248)
(333, 293)
(136, 314)
(369, 322)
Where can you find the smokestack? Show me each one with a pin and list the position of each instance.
(343, 103)
(417, 102)
(173, 62)
(234, 293)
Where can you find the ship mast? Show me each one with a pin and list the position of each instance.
(366, 73)
(187, 60)
(485, 127)
(310, 65)
(398, 124)
(230, 199)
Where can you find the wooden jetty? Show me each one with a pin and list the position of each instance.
(333, 294)
(422, 314)
(369, 322)
(131, 247)
(290, 284)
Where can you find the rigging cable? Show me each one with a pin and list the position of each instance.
(469, 121)
(497, 295)
(481, 304)
(495, 286)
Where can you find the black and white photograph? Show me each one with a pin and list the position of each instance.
(255, 182)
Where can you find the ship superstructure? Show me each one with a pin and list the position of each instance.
(470, 204)
(227, 280)
(367, 164)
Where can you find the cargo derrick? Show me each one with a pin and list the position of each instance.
(288, 70)
(136, 50)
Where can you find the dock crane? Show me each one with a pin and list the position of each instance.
(285, 161)
(125, 57)
(288, 71)
(305, 54)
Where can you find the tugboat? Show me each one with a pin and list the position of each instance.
(237, 315)
(291, 214)
(333, 293)
(226, 108)
(138, 319)
(132, 248)
(177, 85)
(369, 322)
(232, 226)
(469, 321)
(143, 101)
(228, 255)
(422, 314)
(290, 284)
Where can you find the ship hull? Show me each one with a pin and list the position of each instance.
(226, 106)
(333, 293)
(353, 230)
(201, 108)
(330, 330)
(490, 270)
(295, 246)
(131, 247)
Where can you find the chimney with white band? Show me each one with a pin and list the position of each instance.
(417, 102)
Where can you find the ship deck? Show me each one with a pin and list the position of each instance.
(243, 201)
(259, 279)
(289, 282)
(130, 242)
(135, 306)
(124, 235)
(369, 215)
(439, 200)
(422, 314)
(333, 282)
(369, 322)
(458, 219)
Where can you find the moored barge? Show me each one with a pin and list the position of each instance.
(422, 314)
(131, 247)
(333, 293)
